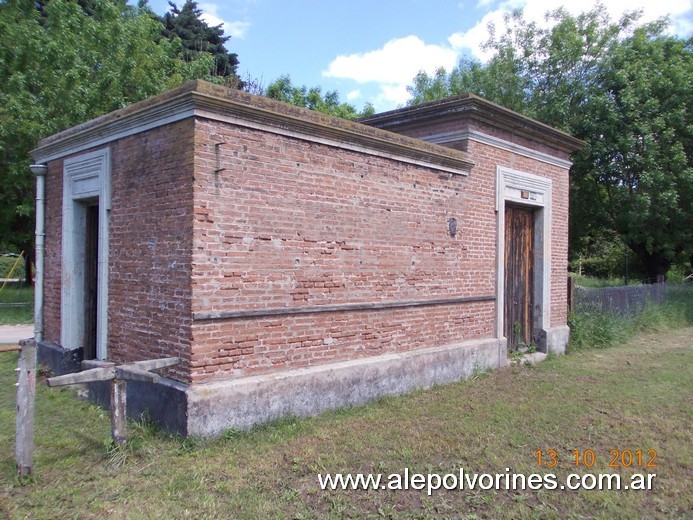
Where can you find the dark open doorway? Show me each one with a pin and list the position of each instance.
(91, 277)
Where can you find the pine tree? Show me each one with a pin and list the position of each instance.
(196, 37)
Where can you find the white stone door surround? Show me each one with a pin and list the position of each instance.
(86, 179)
(530, 190)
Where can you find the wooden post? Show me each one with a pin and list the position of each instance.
(118, 375)
(118, 410)
(26, 398)
(661, 279)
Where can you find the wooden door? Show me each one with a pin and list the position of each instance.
(519, 276)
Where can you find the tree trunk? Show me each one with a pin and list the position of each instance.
(28, 266)
(655, 264)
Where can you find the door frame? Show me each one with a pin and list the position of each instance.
(86, 179)
(526, 189)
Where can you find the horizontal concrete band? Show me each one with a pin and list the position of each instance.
(245, 402)
(345, 307)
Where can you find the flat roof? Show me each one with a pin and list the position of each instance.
(201, 99)
(474, 107)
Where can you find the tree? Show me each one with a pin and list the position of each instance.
(61, 65)
(196, 37)
(641, 149)
(621, 87)
(498, 81)
(283, 89)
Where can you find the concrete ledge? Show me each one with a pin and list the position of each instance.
(207, 410)
(243, 403)
(557, 339)
(57, 359)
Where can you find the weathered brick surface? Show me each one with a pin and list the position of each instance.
(52, 264)
(487, 159)
(150, 242)
(289, 223)
(267, 221)
(150, 246)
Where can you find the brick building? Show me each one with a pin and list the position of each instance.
(296, 262)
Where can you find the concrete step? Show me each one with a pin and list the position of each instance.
(534, 358)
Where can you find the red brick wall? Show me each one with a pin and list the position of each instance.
(150, 245)
(290, 223)
(487, 158)
(150, 240)
(52, 265)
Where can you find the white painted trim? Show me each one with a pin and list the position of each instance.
(508, 182)
(480, 137)
(85, 177)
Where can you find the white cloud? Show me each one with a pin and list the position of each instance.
(236, 29)
(393, 66)
(354, 94)
(534, 10)
(210, 14)
(396, 62)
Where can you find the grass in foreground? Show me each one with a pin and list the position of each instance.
(634, 396)
(12, 314)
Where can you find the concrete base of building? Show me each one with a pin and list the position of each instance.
(557, 339)
(243, 403)
(209, 409)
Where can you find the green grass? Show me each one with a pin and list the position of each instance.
(636, 395)
(588, 281)
(14, 293)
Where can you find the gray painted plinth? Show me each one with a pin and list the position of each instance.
(243, 403)
(557, 339)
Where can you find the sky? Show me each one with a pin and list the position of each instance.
(370, 50)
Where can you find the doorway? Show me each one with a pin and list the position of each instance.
(91, 280)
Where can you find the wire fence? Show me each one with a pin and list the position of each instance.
(628, 300)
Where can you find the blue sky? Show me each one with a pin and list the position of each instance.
(369, 50)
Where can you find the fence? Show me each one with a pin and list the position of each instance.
(625, 301)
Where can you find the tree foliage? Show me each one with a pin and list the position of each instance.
(195, 37)
(62, 63)
(313, 98)
(622, 87)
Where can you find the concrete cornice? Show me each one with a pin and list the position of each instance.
(473, 107)
(205, 100)
(497, 142)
